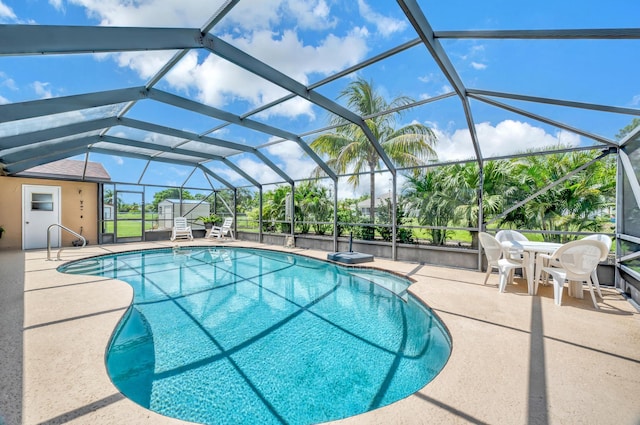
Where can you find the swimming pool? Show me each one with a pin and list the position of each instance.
(231, 335)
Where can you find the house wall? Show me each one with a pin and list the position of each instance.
(73, 216)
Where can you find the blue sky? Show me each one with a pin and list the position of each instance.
(311, 39)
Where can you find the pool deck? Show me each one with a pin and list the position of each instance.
(516, 359)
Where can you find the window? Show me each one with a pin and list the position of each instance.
(41, 202)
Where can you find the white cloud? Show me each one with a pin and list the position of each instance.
(431, 77)
(313, 14)
(43, 90)
(178, 171)
(145, 64)
(506, 138)
(635, 101)
(478, 66)
(445, 89)
(257, 14)
(216, 81)
(118, 160)
(259, 170)
(165, 13)
(57, 4)
(3, 100)
(8, 82)
(296, 162)
(6, 13)
(384, 24)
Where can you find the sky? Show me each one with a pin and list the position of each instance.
(309, 40)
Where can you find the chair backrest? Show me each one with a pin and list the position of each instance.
(580, 258)
(602, 238)
(510, 235)
(492, 248)
(180, 222)
(227, 223)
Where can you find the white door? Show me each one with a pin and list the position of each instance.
(40, 209)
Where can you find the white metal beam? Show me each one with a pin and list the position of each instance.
(545, 120)
(558, 102)
(180, 151)
(556, 34)
(56, 105)
(190, 105)
(25, 139)
(57, 39)
(416, 17)
(253, 65)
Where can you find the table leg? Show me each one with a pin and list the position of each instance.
(575, 289)
(529, 261)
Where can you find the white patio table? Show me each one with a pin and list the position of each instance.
(533, 248)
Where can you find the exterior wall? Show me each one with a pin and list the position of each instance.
(443, 256)
(72, 215)
(434, 255)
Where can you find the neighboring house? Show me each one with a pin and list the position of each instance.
(50, 194)
(365, 206)
(189, 208)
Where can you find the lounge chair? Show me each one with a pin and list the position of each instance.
(224, 230)
(181, 229)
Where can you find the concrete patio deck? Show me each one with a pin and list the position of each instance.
(516, 359)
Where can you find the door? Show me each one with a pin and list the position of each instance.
(40, 209)
(129, 223)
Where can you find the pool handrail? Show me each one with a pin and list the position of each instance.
(84, 241)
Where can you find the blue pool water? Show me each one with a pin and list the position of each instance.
(225, 335)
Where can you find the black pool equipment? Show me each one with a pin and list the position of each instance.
(350, 257)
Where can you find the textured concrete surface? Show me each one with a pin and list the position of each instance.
(11, 320)
(516, 359)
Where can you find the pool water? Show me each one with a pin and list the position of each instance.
(226, 335)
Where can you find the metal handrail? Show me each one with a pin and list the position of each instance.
(84, 241)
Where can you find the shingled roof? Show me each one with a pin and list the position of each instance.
(69, 169)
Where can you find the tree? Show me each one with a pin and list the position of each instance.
(349, 149)
(462, 182)
(108, 199)
(628, 129)
(427, 199)
(274, 208)
(171, 193)
(384, 216)
(576, 204)
(313, 204)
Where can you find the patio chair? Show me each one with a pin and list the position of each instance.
(181, 229)
(513, 236)
(594, 275)
(224, 230)
(574, 261)
(498, 257)
(607, 241)
(510, 235)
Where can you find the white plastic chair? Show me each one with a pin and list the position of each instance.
(575, 261)
(594, 275)
(512, 236)
(224, 230)
(607, 241)
(181, 229)
(498, 257)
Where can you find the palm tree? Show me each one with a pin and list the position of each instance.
(462, 183)
(313, 204)
(428, 201)
(349, 149)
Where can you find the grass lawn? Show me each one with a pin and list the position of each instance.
(130, 224)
